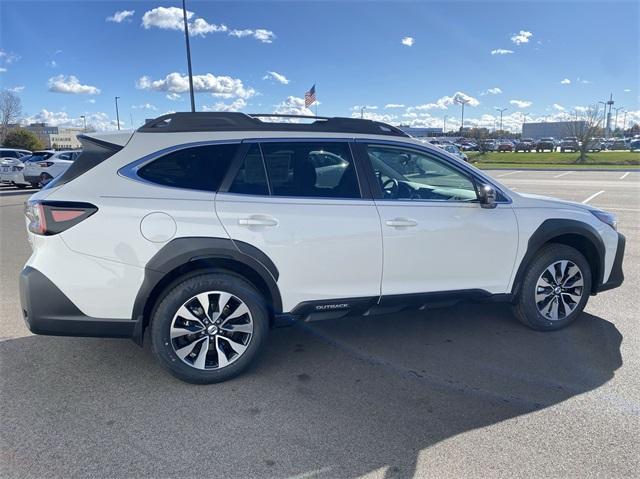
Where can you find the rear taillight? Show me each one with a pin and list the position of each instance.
(53, 217)
(45, 164)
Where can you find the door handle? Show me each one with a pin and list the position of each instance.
(401, 223)
(258, 221)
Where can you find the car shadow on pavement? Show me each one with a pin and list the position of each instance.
(340, 398)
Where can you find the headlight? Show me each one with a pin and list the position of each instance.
(608, 218)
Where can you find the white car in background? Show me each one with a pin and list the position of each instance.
(11, 162)
(44, 170)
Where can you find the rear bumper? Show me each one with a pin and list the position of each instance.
(31, 179)
(47, 310)
(616, 277)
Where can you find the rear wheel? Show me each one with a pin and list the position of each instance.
(20, 186)
(45, 178)
(209, 328)
(555, 289)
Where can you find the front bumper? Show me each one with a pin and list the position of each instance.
(616, 277)
(47, 310)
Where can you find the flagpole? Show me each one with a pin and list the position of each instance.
(314, 84)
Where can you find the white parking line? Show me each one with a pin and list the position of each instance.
(563, 174)
(510, 173)
(625, 175)
(593, 196)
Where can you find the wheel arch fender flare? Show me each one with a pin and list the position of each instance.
(577, 234)
(184, 252)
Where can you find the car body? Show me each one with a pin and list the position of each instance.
(569, 144)
(634, 145)
(11, 164)
(455, 151)
(619, 144)
(504, 146)
(468, 146)
(595, 144)
(211, 235)
(55, 163)
(545, 144)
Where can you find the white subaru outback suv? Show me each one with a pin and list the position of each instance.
(211, 228)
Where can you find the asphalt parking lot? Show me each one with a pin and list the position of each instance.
(459, 392)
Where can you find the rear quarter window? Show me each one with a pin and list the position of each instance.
(196, 168)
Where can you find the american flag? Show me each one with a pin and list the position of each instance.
(310, 97)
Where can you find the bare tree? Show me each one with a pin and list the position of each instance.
(585, 128)
(10, 111)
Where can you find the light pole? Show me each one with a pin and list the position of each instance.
(186, 36)
(444, 125)
(615, 123)
(610, 103)
(624, 122)
(84, 119)
(501, 110)
(362, 112)
(524, 120)
(462, 102)
(604, 116)
(117, 113)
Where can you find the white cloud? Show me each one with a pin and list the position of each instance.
(566, 81)
(627, 90)
(522, 37)
(583, 81)
(2, 69)
(366, 107)
(446, 101)
(521, 103)
(279, 77)
(52, 64)
(173, 96)
(370, 115)
(491, 91)
(144, 106)
(100, 121)
(558, 107)
(171, 18)
(8, 57)
(70, 84)
(501, 51)
(292, 106)
(237, 105)
(260, 34)
(121, 16)
(220, 86)
(408, 41)
(394, 105)
(16, 89)
(91, 100)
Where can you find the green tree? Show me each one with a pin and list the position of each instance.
(22, 139)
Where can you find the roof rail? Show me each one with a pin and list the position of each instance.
(235, 121)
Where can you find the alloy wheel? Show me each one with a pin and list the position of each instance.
(559, 290)
(211, 330)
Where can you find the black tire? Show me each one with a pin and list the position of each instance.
(34, 185)
(20, 186)
(181, 292)
(526, 309)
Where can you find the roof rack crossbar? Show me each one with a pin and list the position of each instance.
(236, 121)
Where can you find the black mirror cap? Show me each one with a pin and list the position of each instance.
(488, 196)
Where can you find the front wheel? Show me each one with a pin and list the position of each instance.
(209, 328)
(555, 288)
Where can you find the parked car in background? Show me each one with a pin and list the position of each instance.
(467, 146)
(634, 145)
(488, 145)
(619, 144)
(569, 144)
(524, 144)
(455, 151)
(595, 144)
(505, 146)
(48, 166)
(11, 162)
(546, 144)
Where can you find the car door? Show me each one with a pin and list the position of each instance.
(314, 224)
(436, 236)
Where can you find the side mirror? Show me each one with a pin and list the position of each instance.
(487, 196)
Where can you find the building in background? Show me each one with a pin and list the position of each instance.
(59, 138)
(66, 139)
(554, 129)
(420, 132)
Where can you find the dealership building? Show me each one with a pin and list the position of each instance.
(554, 129)
(421, 132)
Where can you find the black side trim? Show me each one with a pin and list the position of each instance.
(47, 310)
(555, 228)
(181, 251)
(616, 277)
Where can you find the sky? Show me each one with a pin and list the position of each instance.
(406, 62)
